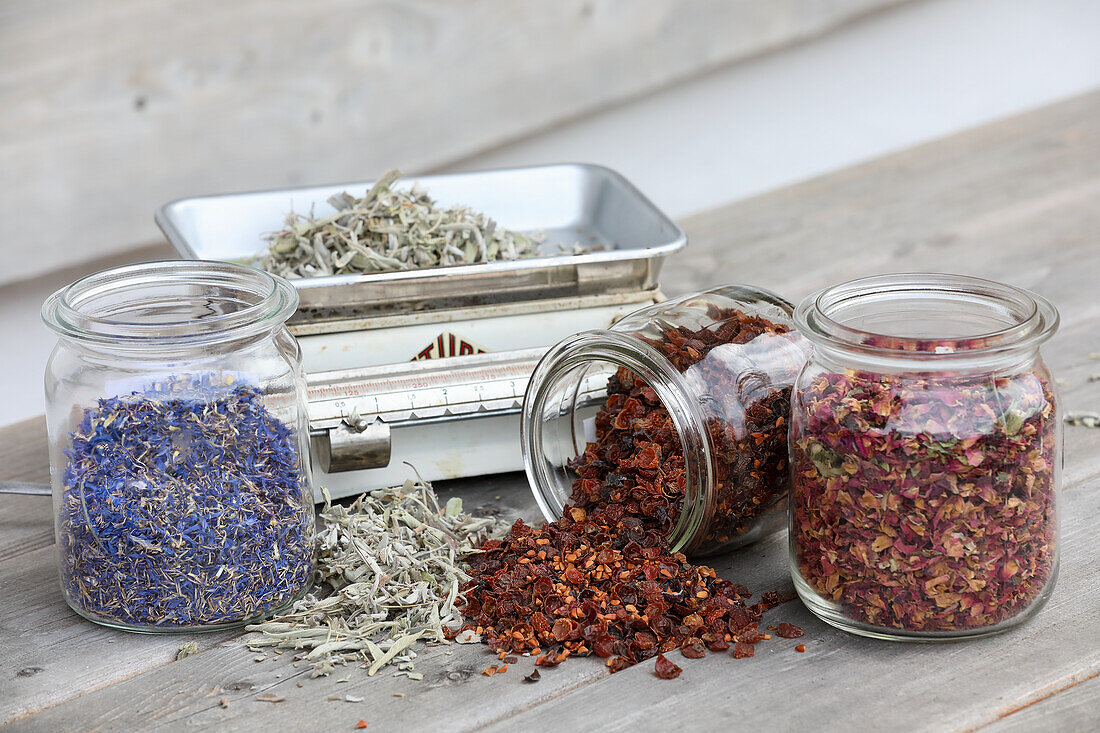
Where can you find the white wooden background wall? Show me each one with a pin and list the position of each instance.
(108, 110)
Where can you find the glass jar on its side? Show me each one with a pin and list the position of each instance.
(179, 454)
(670, 428)
(926, 457)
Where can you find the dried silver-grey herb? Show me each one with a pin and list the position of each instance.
(390, 230)
(186, 650)
(1083, 419)
(393, 561)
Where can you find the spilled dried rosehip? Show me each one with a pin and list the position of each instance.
(601, 580)
(632, 479)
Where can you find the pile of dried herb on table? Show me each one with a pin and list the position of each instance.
(925, 504)
(391, 565)
(601, 579)
(184, 505)
(389, 230)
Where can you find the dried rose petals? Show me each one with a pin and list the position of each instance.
(925, 503)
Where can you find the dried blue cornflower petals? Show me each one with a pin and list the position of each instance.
(185, 504)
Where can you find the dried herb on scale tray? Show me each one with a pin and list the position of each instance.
(389, 230)
(392, 564)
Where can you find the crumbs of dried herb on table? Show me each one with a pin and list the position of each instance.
(632, 478)
(184, 505)
(925, 504)
(393, 564)
(390, 230)
(1083, 419)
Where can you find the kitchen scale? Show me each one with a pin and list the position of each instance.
(430, 366)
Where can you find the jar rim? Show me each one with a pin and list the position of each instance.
(94, 308)
(1033, 318)
(588, 347)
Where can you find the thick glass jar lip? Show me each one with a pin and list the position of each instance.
(1036, 318)
(635, 354)
(268, 300)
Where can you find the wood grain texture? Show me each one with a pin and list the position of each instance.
(1013, 201)
(112, 110)
(986, 202)
(26, 522)
(1074, 708)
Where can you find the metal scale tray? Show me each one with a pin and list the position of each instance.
(571, 203)
(359, 332)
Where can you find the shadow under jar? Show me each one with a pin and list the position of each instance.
(670, 428)
(926, 457)
(179, 455)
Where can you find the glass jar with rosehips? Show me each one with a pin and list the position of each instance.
(926, 457)
(670, 428)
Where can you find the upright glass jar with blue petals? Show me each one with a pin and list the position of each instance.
(179, 454)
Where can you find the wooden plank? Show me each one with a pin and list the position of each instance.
(1013, 201)
(24, 453)
(1072, 708)
(844, 681)
(953, 679)
(958, 685)
(203, 96)
(26, 523)
(52, 655)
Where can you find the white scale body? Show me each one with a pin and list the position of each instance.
(429, 367)
(448, 417)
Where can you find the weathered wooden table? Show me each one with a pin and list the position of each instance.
(1017, 201)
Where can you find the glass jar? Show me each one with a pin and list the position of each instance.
(926, 457)
(670, 427)
(179, 455)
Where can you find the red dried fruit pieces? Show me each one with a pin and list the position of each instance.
(632, 478)
(634, 602)
(618, 664)
(749, 634)
(693, 649)
(604, 646)
(720, 644)
(564, 629)
(800, 648)
(666, 669)
(787, 631)
(742, 650)
(925, 504)
(601, 580)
